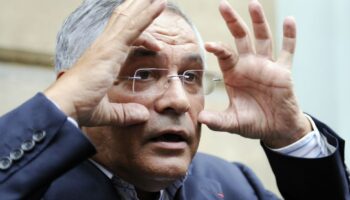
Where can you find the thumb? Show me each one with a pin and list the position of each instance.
(218, 121)
(125, 114)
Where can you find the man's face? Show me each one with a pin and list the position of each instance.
(155, 153)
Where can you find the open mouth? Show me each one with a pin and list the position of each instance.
(169, 137)
(171, 141)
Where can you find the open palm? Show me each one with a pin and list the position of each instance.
(94, 72)
(262, 101)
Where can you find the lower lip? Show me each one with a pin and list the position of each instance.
(170, 145)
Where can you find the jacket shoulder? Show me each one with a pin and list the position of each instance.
(233, 179)
(84, 181)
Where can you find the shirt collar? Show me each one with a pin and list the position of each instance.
(102, 169)
(127, 190)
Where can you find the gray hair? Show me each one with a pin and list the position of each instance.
(87, 22)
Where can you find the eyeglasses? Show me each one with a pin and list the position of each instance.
(154, 81)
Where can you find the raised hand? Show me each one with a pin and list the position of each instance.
(260, 89)
(81, 91)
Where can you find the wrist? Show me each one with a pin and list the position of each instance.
(61, 101)
(288, 139)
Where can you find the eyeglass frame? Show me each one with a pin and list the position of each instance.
(134, 78)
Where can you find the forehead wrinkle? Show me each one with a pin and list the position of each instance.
(174, 40)
(174, 31)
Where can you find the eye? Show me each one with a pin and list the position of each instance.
(192, 77)
(145, 74)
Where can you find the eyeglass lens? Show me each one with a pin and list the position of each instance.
(155, 81)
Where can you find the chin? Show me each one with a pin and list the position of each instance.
(159, 172)
(171, 168)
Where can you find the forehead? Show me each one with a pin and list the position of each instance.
(173, 29)
(179, 41)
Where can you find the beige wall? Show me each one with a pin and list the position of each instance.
(32, 25)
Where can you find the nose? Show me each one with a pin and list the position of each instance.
(174, 99)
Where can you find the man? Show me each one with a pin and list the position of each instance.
(135, 87)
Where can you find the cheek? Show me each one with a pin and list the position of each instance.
(118, 95)
(124, 146)
(197, 105)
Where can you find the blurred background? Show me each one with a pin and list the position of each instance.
(321, 70)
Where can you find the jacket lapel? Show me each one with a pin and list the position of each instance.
(200, 188)
(82, 182)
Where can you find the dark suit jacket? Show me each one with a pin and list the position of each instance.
(54, 165)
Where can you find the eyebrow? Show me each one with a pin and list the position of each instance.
(194, 58)
(142, 52)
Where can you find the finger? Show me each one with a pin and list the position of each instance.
(128, 22)
(148, 41)
(289, 42)
(123, 10)
(117, 114)
(226, 56)
(125, 114)
(130, 8)
(219, 121)
(237, 27)
(262, 32)
(143, 20)
(133, 8)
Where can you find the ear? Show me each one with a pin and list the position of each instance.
(59, 74)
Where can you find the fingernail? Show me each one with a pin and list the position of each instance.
(212, 44)
(143, 113)
(162, 2)
(226, 3)
(290, 17)
(160, 45)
